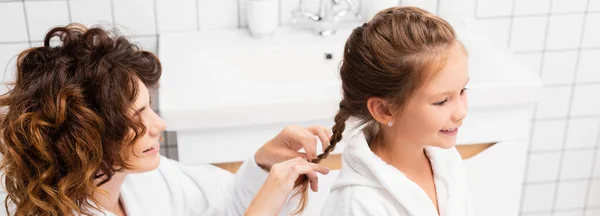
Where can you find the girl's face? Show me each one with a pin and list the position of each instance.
(432, 116)
(144, 156)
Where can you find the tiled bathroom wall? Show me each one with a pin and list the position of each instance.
(557, 39)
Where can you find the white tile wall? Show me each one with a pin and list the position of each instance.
(538, 197)
(594, 194)
(594, 5)
(497, 29)
(37, 43)
(453, 11)
(564, 31)
(565, 6)
(543, 166)
(582, 133)
(176, 16)
(91, 12)
(528, 33)
(243, 13)
(596, 174)
(8, 55)
(135, 17)
(554, 102)
(48, 14)
(576, 164)
(548, 135)
(149, 43)
(559, 67)
(592, 212)
(571, 195)
(537, 214)
(217, 15)
(429, 5)
(569, 213)
(591, 31)
(589, 67)
(558, 40)
(532, 7)
(585, 100)
(12, 19)
(494, 8)
(533, 61)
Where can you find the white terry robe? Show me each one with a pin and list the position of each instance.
(180, 190)
(367, 185)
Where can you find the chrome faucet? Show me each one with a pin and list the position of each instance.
(323, 22)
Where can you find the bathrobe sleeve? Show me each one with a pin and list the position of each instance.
(189, 190)
(219, 192)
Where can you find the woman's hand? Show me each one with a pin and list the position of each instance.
(288, 142)
(279, 185)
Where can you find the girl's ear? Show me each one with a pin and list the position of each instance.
(380, 109)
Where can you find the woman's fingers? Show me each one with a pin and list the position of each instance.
(281, 181)
(313, 180)
(320, 168)
(302, 167)
(321, 132)
(298, 137)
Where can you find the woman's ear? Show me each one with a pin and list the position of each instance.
(380, 109)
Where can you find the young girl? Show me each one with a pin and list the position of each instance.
(78, 137)
(403, 78)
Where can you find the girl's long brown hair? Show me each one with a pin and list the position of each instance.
(389, 57)
(68, 119)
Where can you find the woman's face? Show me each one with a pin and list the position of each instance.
(144, 155)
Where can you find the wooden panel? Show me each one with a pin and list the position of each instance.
(333, 162)
(468, 151)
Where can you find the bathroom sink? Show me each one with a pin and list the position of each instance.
(208, 76)
(226, 82)
(229, 77)
(226, 93)
(292, 77)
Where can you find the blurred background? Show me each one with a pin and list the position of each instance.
(558, 41)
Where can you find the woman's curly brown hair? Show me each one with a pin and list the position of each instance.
(68, 119)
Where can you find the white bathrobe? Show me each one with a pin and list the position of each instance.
(367, 185)
(178, 190)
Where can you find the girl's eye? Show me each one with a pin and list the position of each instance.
(440, 103)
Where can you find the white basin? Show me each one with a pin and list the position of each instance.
(226, 93)
(220, 73)
(287, 78)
